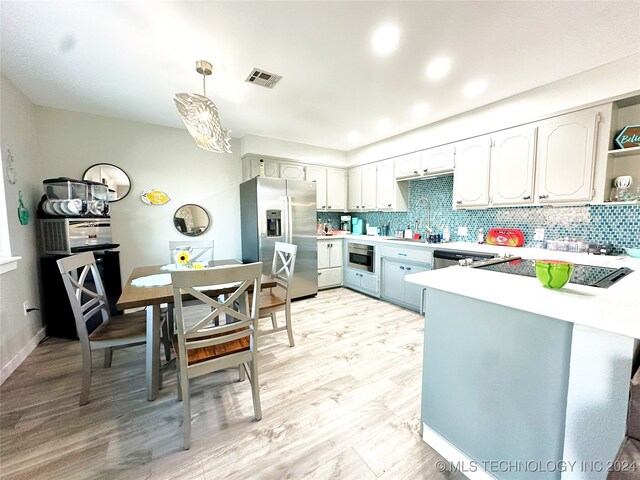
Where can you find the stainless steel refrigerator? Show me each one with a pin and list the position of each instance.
(278, 210)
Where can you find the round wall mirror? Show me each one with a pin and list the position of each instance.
(113, 177)
(191, 220)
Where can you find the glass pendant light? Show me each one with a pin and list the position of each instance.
(200, 116)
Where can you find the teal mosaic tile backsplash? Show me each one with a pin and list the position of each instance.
(615, 224)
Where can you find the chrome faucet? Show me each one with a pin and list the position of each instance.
(425, 200)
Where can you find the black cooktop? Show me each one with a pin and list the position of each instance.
(601, 277)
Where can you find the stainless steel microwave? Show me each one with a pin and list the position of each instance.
(75, 235)
(361, 256)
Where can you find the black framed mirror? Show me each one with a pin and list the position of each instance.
(191, 220)
(113, 177)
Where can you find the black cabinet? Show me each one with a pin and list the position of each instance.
(57, 313)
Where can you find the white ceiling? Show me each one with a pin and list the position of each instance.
(128, 59)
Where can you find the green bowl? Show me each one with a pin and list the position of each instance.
(633, 252)
(553, 273)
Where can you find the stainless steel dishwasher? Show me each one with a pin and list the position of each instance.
(448, 258)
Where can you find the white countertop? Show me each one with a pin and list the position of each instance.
(615, 309)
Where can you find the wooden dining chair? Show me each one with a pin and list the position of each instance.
(202, 346)
(278, 299)
(113, 332)
(202, 252)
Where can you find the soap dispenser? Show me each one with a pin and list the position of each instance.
(408, 233)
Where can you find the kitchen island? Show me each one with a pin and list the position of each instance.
(524, 382)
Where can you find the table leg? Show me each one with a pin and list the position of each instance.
(153, 351)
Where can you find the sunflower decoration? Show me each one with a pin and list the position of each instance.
(182, 257)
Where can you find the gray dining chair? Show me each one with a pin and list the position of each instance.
(278, 299)
(203, 346)
(113, 332)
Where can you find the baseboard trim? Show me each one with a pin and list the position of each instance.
(471, 470)
(20, 357)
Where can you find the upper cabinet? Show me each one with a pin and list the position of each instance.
(513, 155)
(471, 179)
(431, 162)
(390, 194)
(565, 160)
(292, 171)
(408, 166)
(354, 187)
(374, 187)
(331, 191)
(271, 168)
(438, 160)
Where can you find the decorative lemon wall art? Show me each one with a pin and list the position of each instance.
(154, 196)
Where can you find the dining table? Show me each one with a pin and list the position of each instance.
(152, 298)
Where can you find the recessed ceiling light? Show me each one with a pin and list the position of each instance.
(420, 110)
(475, 88)
(354, 136)
(383, 125)
(438, 68)
(385, 40)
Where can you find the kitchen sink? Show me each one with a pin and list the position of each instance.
(412, 240)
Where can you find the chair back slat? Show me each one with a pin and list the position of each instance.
(203, 332)
(75, 285)
(201, 250)
(284, 261)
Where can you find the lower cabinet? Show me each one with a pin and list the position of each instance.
(329, 277)
(329, 263)
(361, 281)
(394, 287)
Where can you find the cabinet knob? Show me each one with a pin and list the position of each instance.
(389, 205)
(364, 206)
(401, 267)
(458, 202)
(528, 197)
(319, 273)
(425, 170)
(323, 206)
(415, 172)
(357, 206)
(329, 206)
(542, 197)
(408, 269)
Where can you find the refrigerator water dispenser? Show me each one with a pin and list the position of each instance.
(274, 223)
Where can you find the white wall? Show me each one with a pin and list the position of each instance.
(298, 152)
(154, 157)
(19, 334)
(617, 78)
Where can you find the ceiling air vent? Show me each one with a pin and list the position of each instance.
(262, 78)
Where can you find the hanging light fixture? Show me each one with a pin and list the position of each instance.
(200, 116)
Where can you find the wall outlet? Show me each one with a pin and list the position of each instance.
(539, 234)
(462, 231)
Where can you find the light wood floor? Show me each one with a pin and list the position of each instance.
(344, 403)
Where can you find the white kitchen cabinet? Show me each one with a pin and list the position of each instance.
(271, 168)
(361, 281)
(292, 171)
(391, 195)
(331, 189)
(407, 166)
(330, 263)
(369, 187)
(471, 176)
(354, 183)
(512, 166)
(336, 189)
(565, 159)
(319, 175)
(362, 188)
(437, 161)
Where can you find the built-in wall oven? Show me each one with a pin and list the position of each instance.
(361, 256)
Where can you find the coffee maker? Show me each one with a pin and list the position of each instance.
(345, 223)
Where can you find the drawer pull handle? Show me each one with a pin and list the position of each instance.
(542, 197)
(458, 202)
(528, 197)
(402, 254)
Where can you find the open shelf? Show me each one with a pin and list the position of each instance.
(624, 152)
